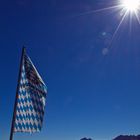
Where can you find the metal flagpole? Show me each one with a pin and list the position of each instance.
(19, 77)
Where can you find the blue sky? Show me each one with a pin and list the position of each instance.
(93, 87)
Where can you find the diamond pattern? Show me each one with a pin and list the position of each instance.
(31, 99)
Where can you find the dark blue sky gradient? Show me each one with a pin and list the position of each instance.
(93, 89)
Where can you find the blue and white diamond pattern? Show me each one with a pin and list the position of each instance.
(31, 99)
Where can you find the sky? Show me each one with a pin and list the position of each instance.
(92, 70)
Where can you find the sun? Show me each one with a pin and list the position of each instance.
(127, 10)
(131, 5)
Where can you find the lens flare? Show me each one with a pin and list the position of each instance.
(131, 5)
(126, 9)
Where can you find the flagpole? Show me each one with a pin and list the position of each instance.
(19, 77)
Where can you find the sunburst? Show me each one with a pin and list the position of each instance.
(127, 8)
(131, 5)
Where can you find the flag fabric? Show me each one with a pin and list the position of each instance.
(30, 100)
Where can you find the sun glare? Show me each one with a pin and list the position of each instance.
(131, 5)
(128, 10)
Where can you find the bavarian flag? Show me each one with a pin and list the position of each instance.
(30, 99)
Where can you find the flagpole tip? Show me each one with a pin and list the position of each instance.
(24, 49)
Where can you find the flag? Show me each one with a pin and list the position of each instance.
(31, 96)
